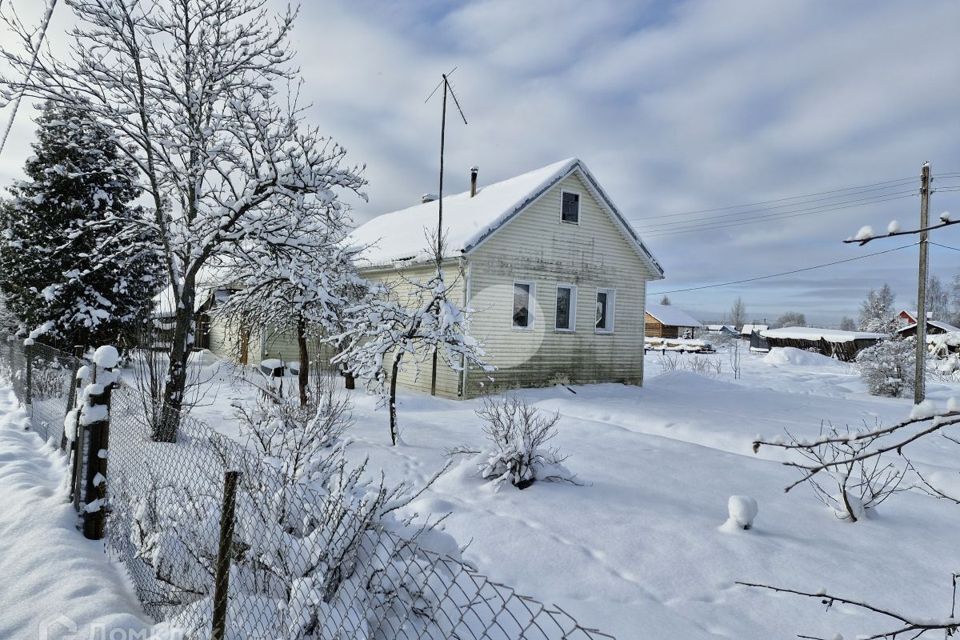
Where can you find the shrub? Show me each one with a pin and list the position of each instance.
(519, 436)
(888, 367)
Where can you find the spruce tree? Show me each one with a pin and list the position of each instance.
(63, 273)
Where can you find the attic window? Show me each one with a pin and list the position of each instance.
(570, 207)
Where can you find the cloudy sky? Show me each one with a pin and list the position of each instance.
(685, 111)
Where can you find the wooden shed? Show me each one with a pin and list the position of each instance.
(666, 321)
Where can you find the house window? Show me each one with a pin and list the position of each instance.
(522, 296)
(566, 307)
(605, 310)
(570, 207)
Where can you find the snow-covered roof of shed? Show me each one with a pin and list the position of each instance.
(944, 326)
(813, 333)
(747, 329)
(468, 221)
(671, 316)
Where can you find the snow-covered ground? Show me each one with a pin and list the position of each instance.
(55, 583)
(638, 549)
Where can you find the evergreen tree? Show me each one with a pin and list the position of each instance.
(63, 273)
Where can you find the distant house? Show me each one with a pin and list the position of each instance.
(934, 327)
(749, 329)
(555, 275)
(666, 321)
(721, 329)
(843, 345)
(906, 316)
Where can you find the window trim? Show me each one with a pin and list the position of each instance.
(531, 316)
(611, 310)
(579, 206)
(572, 328)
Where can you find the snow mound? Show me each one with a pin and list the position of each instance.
(798, 357)
(106, 356)
(742, 511)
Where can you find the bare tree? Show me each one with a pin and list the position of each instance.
(738, 313)
(190, 89)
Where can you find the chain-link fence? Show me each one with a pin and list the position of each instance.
(225, 542)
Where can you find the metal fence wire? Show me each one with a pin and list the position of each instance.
(318, 558)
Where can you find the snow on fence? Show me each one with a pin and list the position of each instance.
(220, 543)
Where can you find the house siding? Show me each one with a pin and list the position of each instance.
(415, 369)
(537, 247)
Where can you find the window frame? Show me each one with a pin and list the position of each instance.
(611, 311)
(572, 328)
(531, 297)
(579, 206)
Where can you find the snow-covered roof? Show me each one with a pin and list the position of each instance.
(747, 329)
(468, 221)
(913, 314)
(720, 327)
(946, 327)
(671, 316)
(813, 333)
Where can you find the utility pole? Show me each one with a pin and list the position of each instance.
(921, 353)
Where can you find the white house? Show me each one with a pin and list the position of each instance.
(555, 275)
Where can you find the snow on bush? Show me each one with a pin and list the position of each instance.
(888, 367)
(518, 436)
(856, 486)
(742, 512)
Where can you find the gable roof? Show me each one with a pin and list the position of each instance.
(670, 316)
(946, 327)
(469, 221)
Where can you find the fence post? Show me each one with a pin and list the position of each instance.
(28, 384)
(98, 434)
(221, 586)
(72, 395)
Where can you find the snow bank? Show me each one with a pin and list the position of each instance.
(59, 584)
(798, 357)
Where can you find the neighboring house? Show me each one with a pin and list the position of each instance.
(749, 329)
(843, 345)
(666, 321)
(553, 272)
(906, 316)
(722, 329)
(934, 327)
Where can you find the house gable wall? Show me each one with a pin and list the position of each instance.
(536, 247)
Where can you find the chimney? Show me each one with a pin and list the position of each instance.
(473, 180)
(425, 198)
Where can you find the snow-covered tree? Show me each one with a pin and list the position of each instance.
(76, 263)
(876, 312)
(302, 284)
(792, 319)
(937, 299)
(738, 313)
(387, 333)
(191, 90)
(888, 367)
(848, 324)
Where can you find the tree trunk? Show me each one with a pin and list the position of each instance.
(349, 382)
(303, 376)
(175, 383)
(394, 371)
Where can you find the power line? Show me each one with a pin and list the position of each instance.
(943, 246)
(827, 209)
(800, 197)
(763, 215)
(785, 273)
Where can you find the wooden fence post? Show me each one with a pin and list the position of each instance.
(28, 384)
(98, 435)
(221, 586)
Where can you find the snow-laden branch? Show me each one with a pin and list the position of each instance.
(866, 233)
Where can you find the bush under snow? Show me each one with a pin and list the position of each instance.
(519, 453)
